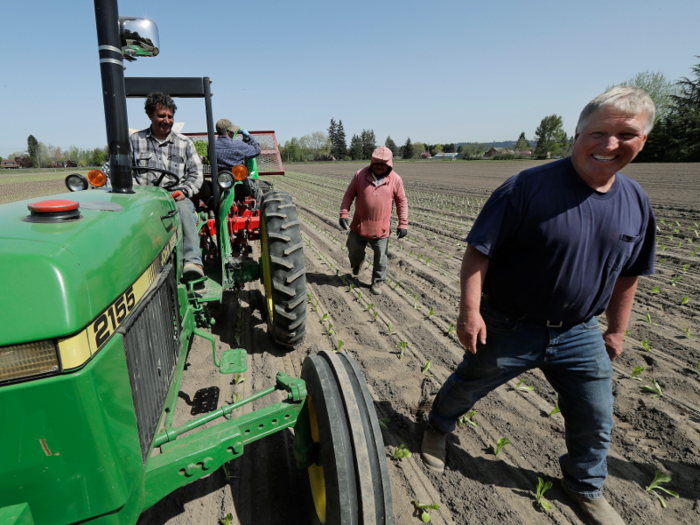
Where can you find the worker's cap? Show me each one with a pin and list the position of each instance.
(224, 125)
(382, 155)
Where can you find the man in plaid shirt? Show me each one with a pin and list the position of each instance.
(159, 146)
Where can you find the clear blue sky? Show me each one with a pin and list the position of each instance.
(441, 72)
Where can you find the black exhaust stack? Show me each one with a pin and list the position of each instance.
(114, 94)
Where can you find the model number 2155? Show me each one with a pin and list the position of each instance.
(113, 316)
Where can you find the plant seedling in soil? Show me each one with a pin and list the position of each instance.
(427, 366)
(687, 333)
(500, 444)
(451, 329)
(654, 290)
(659, 478)
(467, 418)
(543, 487)
(431, 313)
(330, 329)
(637, 372)
(522, 386)
(342, 278)
(359, 296)
(397, 285)
(351, 287)
(323, 318)
(238, 379)
(310, 296)
(226, 520)
(684, 300)
(401, 452)
(383, 421)
(340, 345)
(376, 314)
(370, 306)
(402, 345)
(390, 329)
(416, 306)
(423, 508)
(645, 345)
(656, 389)
(316, 307)
(685, 266)
(555, 411)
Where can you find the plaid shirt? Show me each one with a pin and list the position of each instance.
(177, 154)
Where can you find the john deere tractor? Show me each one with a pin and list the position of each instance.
(96, 324)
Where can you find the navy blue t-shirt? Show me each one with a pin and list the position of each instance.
(557, 246)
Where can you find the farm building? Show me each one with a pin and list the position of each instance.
(447, 156)
(7, 163)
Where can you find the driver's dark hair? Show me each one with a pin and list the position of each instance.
(157, 98)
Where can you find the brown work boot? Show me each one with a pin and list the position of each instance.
(192, 272)
(356, 270)
(376, 288)
(597, 510)
(433, 449)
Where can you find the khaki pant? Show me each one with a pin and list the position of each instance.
(356, 251)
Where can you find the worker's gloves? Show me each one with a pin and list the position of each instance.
(244, 133)
(401, 232)
(344, 224)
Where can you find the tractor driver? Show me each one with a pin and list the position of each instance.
(161, 147)
(231, 152)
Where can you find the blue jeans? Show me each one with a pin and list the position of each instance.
(356, 245)
(190, 239)
(576, 364)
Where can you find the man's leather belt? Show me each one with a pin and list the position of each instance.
(525, 317)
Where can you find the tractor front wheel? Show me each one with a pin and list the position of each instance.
(349, 478)
(283, 273)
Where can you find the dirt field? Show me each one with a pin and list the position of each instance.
(420, 305)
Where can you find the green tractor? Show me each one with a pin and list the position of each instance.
(96, 324)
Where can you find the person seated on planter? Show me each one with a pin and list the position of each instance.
(231, 152)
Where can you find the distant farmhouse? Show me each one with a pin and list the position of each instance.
(447, 156)
(7, 163)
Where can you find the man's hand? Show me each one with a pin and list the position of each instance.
(178, 195)
(244, 132)
(470, 327)
(613, 344)
(401, 232)
(344, 224)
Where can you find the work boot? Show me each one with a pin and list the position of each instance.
(433, 449)
(597, 510)
(192, 272)
(376, 288)
(356, 270)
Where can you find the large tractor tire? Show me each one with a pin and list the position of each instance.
(349, 482)
(283, 272)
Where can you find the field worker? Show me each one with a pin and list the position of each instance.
(376, 188)
(161, 147)
(555, 246)
(231, 152)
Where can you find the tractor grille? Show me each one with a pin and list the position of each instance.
(152, 346)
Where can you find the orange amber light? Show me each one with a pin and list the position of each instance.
(97, 178)
(240, 172)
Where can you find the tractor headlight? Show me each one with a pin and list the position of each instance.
(76, 182)
(31, 359)
(225, 179)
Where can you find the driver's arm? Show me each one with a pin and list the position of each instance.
(194, 173)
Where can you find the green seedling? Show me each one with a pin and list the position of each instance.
(227, 474)
(659, 478)
(555, 411)
(423, 508)
(654, 290)
(316, 307)
(340, 345)
(331, 331)
(402, 346)
(383, 421)
(637, 372)
(685, 266)
(467, 418)
(239, 324)
(310, 296)
(342, 278)
(370, 306)
(427, 261)
(431, 313)
(226, 520)
(351, 287)
(397, 285)
(390, 329)
(662, 261)
(656, 389)
(647, 318)
(416, 306)
(240, 311)
(426, 367)
(543, 487)
(500, 444)
(523, 387)
(645, 345)
(337, 272)
(359, 296)
(323, 318)
(375, 314)
(684, 300)
(663, 248)
(451, 329)
(626, 333)
(401, 452)
(687, 333)
(238, 379)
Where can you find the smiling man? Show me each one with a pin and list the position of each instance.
(554, 247)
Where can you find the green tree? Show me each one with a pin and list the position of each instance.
(98, 157)
(472, 150)
(682, 125)
(32, 148)
(522, 144)
(389, 143)
(448, 148)
(202, 150)
(437, 148)
(290, 150)
(408, 149)
(659, 89)
(548, 133)
(340, 145)
(369, 143)
(356, 148)
(418, 148)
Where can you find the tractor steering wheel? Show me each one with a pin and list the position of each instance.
(164, 172)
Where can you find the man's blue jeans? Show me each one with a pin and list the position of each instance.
(576, 364)
(190, 239)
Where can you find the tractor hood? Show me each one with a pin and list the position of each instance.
(58, 276)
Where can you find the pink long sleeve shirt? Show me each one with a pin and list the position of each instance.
(374, 204)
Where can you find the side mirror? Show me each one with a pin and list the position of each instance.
(139, 37)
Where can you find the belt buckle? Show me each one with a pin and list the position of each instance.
(550, 325)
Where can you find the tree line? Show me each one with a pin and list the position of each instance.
(40, 155)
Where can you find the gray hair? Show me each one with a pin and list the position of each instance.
(629, 100)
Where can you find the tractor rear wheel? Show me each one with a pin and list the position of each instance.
(349, 480)
(283, 273)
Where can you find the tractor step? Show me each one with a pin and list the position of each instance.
(234, 361)
(209, 290)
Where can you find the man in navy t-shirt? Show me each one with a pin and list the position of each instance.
(554, 247)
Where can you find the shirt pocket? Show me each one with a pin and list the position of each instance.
(143, 159)
(177, 165)
(622, 251)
